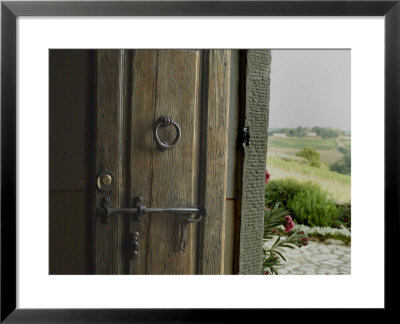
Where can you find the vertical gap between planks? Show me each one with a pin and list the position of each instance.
(203, 99)
(151, 165)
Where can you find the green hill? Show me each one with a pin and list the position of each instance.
(339, 185)
(330, 149)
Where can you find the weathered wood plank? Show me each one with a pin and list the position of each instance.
(108, 238)
(165, 82)
(174, 180)
(213, 227)
(144, 74)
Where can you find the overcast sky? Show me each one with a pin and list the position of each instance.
(310, 88)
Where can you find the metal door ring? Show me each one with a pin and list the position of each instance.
(165, 121)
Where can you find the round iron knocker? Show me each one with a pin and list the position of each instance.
(165, 121)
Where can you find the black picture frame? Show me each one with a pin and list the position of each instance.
(10, 10)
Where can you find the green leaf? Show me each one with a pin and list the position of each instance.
(280, 254)
(276, 242)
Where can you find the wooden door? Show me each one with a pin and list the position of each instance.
(133, 89)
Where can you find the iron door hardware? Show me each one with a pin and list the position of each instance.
(105, 181)
(165, 121)
(139, 210)
(134, 245)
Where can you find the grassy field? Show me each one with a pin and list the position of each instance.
(338, 185)
(282, 163)
(329, 156)
(299, 143)
(327, 148)
(346, 142)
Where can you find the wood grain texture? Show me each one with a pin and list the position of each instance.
(213, 227)
(108, 238)
(192, 173)
(144, 76)
(164, 82)
(173, 171)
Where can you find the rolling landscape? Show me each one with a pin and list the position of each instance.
(282, 161)
(308, 167)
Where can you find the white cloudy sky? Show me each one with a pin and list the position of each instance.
(310, 88)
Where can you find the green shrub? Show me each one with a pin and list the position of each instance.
(311, 155)
(324, 165)
(344, 150)
(342, 166)
(307, 202)
(283, 190)
(344, 215)
(313, 208)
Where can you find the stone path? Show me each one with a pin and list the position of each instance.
(318, 258)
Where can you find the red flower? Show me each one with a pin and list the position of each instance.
(266, 272)
(289, 224)
(304, 241)
(267, 176)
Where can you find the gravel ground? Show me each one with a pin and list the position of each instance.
(318, 258)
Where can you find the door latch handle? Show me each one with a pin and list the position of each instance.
(139, 210)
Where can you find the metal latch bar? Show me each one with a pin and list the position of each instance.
(140, 210)
(109, 211)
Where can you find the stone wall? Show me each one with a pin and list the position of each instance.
(256, 101)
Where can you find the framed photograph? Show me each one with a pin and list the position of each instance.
(176, 154)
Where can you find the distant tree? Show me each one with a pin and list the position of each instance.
(311, 155)
(343, 166)
(327, 132)
(296, 132)
(324, 132)
(316, 129)
(344, 150)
